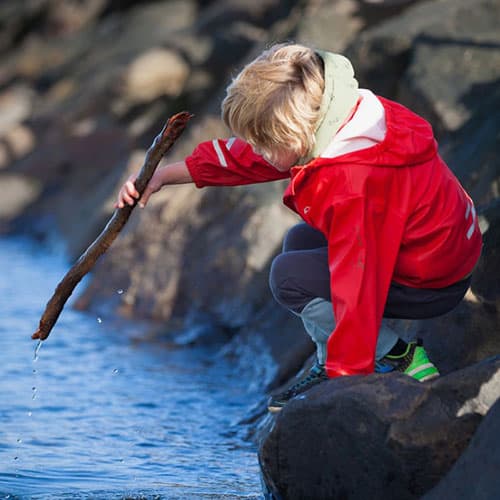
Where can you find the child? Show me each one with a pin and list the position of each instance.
(388, 230)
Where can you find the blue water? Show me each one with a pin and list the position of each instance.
(96, 414)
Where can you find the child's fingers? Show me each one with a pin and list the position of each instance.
(145, 197)
(127, 198)
(131, 190)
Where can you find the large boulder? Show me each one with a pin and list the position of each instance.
(485, 282)
(475, 474)
(431, 57)
(378, 436)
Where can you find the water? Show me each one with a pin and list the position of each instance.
(93, 414)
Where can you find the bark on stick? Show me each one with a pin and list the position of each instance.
(161, 144)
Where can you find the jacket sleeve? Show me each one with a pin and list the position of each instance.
(230, 162)
(363, 243)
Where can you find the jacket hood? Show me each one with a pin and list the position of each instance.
(408, 140)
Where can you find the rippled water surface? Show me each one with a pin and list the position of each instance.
(98, 415)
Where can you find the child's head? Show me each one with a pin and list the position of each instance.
(274, 103)
(290, 102)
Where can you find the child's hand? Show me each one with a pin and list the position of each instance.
(173, 173)
(127, 194)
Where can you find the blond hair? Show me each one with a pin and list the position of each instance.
(274, 102)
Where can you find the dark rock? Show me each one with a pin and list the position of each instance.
(320, 19)
(453, 57)
(17, 19)
(77, 174)
(18, 193)
(285, 338)
(475, 474)
(431, 56)
(485, 282)
(472, 151)
(379, 436)
(462, 337)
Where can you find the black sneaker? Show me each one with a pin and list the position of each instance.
(316, 375)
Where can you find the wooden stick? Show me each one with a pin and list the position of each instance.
(161, 144)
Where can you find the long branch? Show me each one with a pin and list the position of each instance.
(161, 144)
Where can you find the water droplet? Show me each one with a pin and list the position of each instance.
(119, 291)
(115, 370)
(29, 414)
(37, 350)
(99, 320)
(19, 440)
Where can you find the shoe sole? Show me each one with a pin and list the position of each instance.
(431, 376)
(274, 409)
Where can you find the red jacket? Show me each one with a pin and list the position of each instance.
(390, 212)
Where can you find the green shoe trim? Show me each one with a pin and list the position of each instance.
(401, 356)
(421, 367)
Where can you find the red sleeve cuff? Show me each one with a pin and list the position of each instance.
(193, 168)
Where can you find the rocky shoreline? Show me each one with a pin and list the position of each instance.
(85, 86)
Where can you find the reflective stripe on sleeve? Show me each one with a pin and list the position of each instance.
(220, 154)
(472, 226)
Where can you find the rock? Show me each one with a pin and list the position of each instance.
(16, 105)
(41, 61)
(384, 3)
(485, 282)
(453, 57)
(475, 474)
(378, 436)
(17, 18)
(464, 336)
(90, 163)
(431, 56)
(155, 73)
(321, 19)
(17, 193)
(284, 335)
(472, 151)
(15, 144)
(236, 27)
(65, 17)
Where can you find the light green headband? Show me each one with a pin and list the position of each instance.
(339, 97)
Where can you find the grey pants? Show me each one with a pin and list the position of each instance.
(300, 281)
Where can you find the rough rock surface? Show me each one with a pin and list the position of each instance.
(475, 474)
(379, 436)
